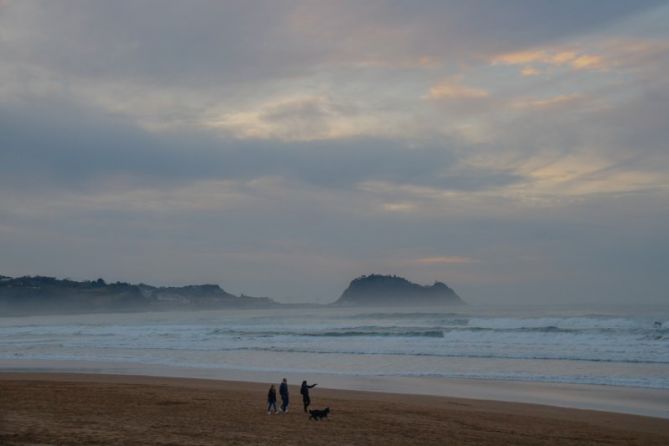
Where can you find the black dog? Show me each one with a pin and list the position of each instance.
(319, 414)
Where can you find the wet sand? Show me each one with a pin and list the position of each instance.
(78, 409)
(631, 400)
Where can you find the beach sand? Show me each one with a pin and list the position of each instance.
(79, 409)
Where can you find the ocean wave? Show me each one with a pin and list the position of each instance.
(439, 332)
(568, 323)
(375, 342)
(383, 333)
(647, 383)
(455, 318)
(380, 324)
(349, 332)
(583, 357)
(460, 355)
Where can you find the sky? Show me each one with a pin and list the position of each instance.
(517, 150)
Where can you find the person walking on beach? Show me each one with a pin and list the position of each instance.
(271, 400)
(304, 390)
(283, 391)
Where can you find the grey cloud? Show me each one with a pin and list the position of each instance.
(50, 146)
(639, 126)
(201, 41)
(58, 143)
(527, 257)
(449, 29)
(227, 43)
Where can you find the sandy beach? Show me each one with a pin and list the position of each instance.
(79, 409)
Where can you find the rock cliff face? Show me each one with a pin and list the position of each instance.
(377, 289)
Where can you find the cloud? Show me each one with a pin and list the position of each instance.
(627, 54)
(295, 119)
(564, 100)
(203, 42)
(453, 89)
(444, 260)
(573, 59)
(80, 146)
(246, 144)
(583, 175)
(216, 45)
(401, 207)
(393, 32)
(529, 71)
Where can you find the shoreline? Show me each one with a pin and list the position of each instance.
(613, 399)
(78, 409)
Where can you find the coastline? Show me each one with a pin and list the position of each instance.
(60, 408)
(613, 399)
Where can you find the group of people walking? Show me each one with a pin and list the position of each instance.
(285, 397)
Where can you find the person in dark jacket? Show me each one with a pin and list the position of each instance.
(271, 400)
(283, 391)
(304, 390)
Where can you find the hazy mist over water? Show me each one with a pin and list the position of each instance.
(619, 346)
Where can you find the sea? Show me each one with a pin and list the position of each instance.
(616, 346)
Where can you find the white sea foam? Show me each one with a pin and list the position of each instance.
(613, 349)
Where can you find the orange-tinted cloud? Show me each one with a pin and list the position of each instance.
(452, 89)
(586, 62)
(529, 71)
(444, 260)
(554, 101)
(568, 58)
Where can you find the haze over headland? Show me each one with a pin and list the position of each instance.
(515, 150)
(48, 295)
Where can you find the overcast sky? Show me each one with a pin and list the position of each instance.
(517, 150)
